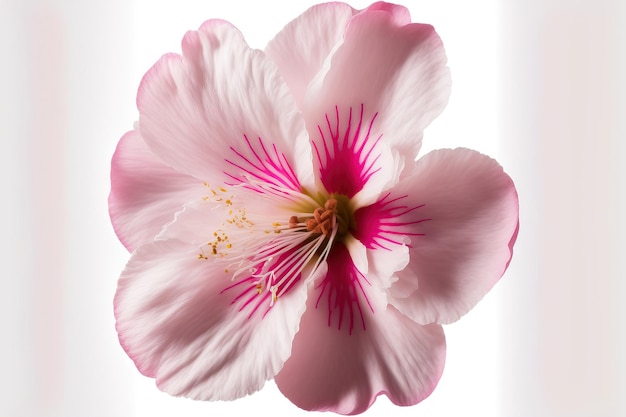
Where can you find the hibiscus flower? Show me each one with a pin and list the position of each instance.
(280, 226)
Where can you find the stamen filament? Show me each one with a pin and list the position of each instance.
(293, 273)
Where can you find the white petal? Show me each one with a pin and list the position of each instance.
(179, 322)
(222, 110)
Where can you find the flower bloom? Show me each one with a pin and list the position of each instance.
(280, 226)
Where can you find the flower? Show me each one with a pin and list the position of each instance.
(280, 226)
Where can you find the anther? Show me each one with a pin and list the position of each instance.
(330, 204)
(293, 221)
(324, 219)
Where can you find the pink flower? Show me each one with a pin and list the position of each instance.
(278, 223)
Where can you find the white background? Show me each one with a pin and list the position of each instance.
(537, 84)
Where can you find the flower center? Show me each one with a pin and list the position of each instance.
(263, 270)
(323, 221)
(334, 214)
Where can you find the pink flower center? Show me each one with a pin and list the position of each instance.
(318, 226)
(266, 258)
(345, 151)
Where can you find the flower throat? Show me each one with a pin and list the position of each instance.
(335, 212)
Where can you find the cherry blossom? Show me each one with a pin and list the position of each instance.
(280, 226)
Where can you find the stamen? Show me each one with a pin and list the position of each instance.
(265, 257)
(293, 222)
(324, 219)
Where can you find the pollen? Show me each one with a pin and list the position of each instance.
(220, 195)
(226, 239)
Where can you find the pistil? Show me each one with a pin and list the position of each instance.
(323, 220)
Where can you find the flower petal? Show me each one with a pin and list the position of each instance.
(145, 193)
(180, 322)
(396, 71)
(301, 47)
(462, 232)
(351, 160)
(222, 109)
(344, 368)
(399, 14)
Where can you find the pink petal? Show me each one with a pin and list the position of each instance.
(145, 193)
(351, 159)
(301, 47)
(342, 367)
(179, 319)
(397, 72)
(196, 222)
(222, 110)
(460, 211)
(398, 13)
